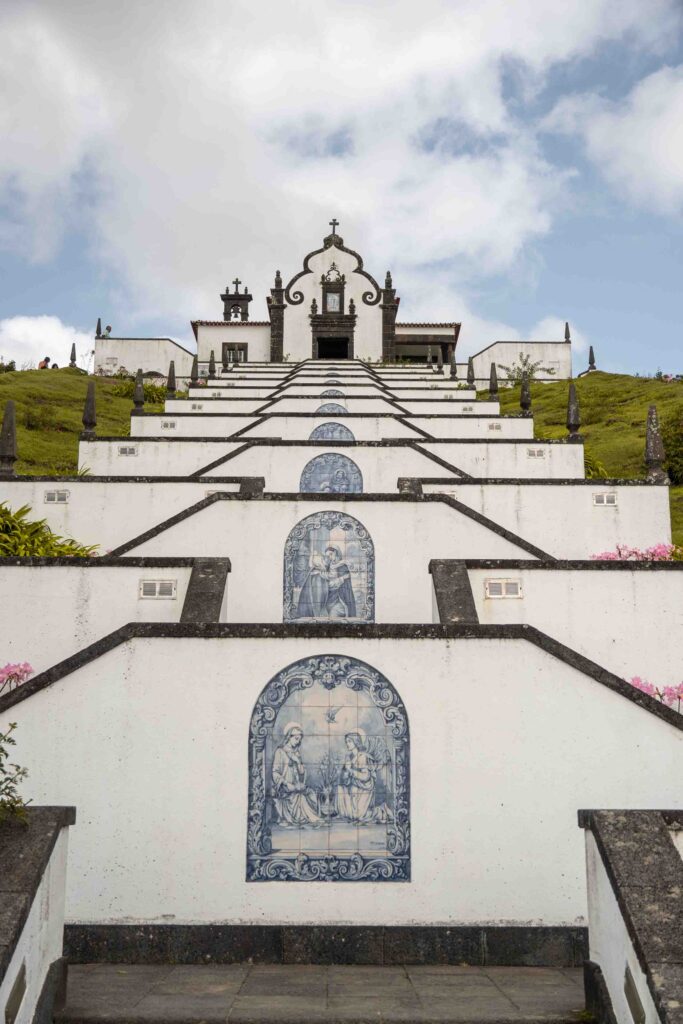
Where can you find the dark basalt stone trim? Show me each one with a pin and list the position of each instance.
(126, 479)
(25, 851)
(487, 945)
(444, 499)
(546, 481)
(521, 342)
(205, 591)
(221, 459)
(598, 1001)
(130, 439)
(587, 564)
(453, 592)
(105, 562)
(645, 872)
(325, 631)
(113, 337)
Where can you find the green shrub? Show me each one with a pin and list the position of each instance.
(593, 467)
(41, 417)
(155, 394)
(672, 436)
(23, 539)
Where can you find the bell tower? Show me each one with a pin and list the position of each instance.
(236, 303)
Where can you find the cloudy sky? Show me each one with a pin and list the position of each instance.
(515, 163)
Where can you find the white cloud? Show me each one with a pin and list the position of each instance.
(636, 144)
(551, 328)
(28, 339)
(193, 142)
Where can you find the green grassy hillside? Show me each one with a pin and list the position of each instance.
(613, 412)
(49, 407)
(613, 417)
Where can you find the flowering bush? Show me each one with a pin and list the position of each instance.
(657, 553)
(12, 806)
(672, 696)
(12, 676)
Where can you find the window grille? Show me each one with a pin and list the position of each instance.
(535, 453)
(502, 588)
(197, 406)
(605, 498)
(128, 449)
(494, 426)
(168, 424)
(158, 590)
(465, 408)
(56, 497)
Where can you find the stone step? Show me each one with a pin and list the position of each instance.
(289, 994)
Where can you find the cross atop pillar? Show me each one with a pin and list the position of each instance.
(333, 224)
(237, 284)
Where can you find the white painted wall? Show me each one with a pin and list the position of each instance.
(76, 605)
(154, 458)
(147, 354)
(506, 461)
(297, 326)
(556, 355)
(406, 536)
(190, 424)
(543, 511)
(610, 942)
(300, 428)
(581, 607)
(40, 943)
(168, 721)
(212, 336)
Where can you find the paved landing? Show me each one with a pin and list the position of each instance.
(305, 994)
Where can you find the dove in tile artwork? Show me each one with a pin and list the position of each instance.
(331, 714)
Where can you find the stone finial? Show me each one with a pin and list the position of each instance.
(314, 307)
(278, 279)
(454, 365)
(212, 365)
(98, 329)
(194, 372)
(429, 355)
(654, 449)
(138, 393)
(493, 383)
(525, 396)
(388, 283)
(591, 359)
(470, 372)
(89, 415)
(72, 357)
(170, 383)
(567, 335)
(439, 360)
(573, 416)
(352, 307)
(8, 441)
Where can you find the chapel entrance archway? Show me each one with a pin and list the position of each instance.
(332, 348)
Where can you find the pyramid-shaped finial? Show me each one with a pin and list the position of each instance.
(170, 383)
(454, 365)
(212, 365)
(278, 279)
(567, 335)
(388, 283)
(525, 395)
(573, 415)
(89, 415)
(493, 383)
(439, 360)
(8, 441)
(655, 455)
(138, 393)
(72, 358)
(591, 359)
(194, 372)
(470, 372)
(98, 329)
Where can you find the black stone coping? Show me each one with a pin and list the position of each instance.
(405, 417)
(543, 481)
(109, 562)
(408, 442)
(24, 854)
(205, 590)
(478, 945)
(331, 415)
(443, 499)
(126, 479)
(588, 564)
(338, 632)
(645, 872)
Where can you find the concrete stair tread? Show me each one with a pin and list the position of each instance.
(289, 994)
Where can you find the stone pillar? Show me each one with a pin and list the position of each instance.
(171, 384)
(525, 396)
(493, 383)
(389, 307)
(138, 394)
(89, 415)
(573, 416)
(8, 441)
(276, 311)
(654, 449)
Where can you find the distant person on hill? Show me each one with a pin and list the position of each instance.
(44, 364)
(54, 366)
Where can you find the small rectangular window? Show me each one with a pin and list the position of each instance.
(502, 588)
(128, 449)
(217, 394)
(168, 424)
(467, 408)
(197, 406)
(111, 360)
(494, 426)
(158, 589)
(56, 497)
(605, 498)
(535, 453)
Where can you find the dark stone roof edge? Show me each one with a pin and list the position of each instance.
(598, 565)
(56, 818)
(645, 918)
(109, 562)
(522, 341)
(323, 631)
(113, 337)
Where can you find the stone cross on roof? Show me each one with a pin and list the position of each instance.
(237, 284)
(333, 224)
